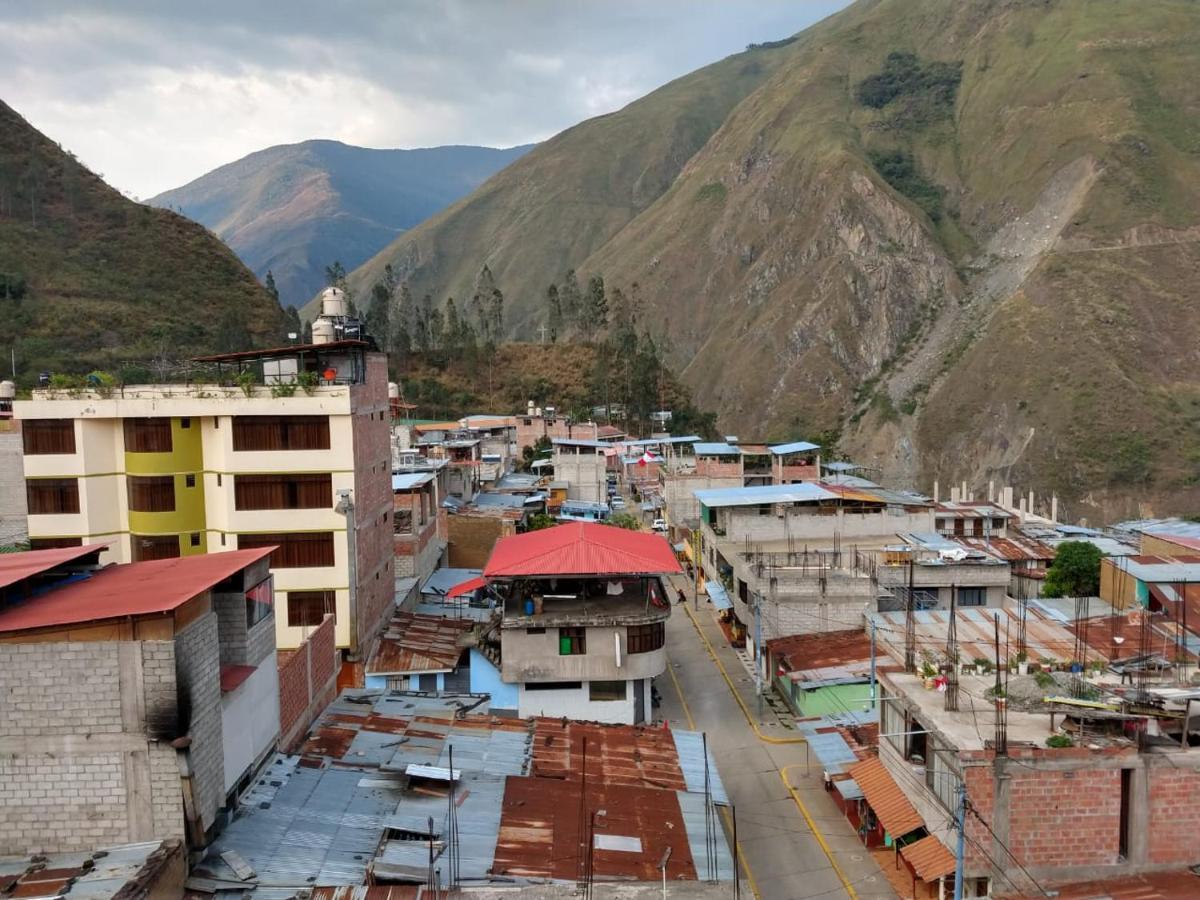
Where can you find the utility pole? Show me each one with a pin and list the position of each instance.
(962, 840)
(874, 689)
(758, 652)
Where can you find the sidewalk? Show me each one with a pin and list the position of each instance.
(788, 827)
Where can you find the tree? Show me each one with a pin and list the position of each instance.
(540, 450)
(269, 284)
(572, 299)
(595, 313)
(538, 521)
(481, 298)
(422, 320)
(554, 314)
(1075, 571)
(495, 316)
(379, 315)
(291, 324)
(402, 321)
(453, 334)
(625, 520)
(335, 275)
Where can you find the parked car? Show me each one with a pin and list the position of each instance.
(617, 503)
(659, 525)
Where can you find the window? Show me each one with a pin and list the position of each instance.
(147, 435)
(976, 596)
(960, 527)
(403, 522)
(147, 547)
(189, 481)
(283, 491)
(293, 551)
(535, 630)
(44, 436)
(553, 685)
(281, 433)
(219, 479)
(151, 493)
(185, 423)
(222, 539)
(195, 539)
(52, 496)
(644, 638)
(1123, 822)
(307, 609)
(54, 543)
(259, 601)
(606, 690)
(572, 641)
(997, 524)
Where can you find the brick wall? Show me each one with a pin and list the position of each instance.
(79, 765)
(307, 684)
(1059, 819)
(13, 525)
(373, 500)
(472, 539)
(1174, 816)
(198, 675)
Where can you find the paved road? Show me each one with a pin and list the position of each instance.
(785, 858)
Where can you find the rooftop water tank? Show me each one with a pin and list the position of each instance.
(393, 391)
(333, 302)
(323, 332)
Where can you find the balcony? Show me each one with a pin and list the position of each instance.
(633, 606)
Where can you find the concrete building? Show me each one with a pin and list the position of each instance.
(584, 466)
(932, 570)
(13, 511)
(583, 627)
(290, 449)
(419, 528)
(138, 700)
(538, 423)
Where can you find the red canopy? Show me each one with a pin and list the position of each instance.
(581, 548)
(467, 587)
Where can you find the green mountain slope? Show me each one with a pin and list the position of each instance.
(564, 199)
(993, 282)
(295, 209)
(89, 279)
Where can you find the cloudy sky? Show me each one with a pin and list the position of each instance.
(154, 93)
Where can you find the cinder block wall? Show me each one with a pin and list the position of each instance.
(13, 525)
(84, 758)
(198, 674)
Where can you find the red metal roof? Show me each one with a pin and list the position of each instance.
(892, 808)
(929, 858)
(467, 587)
(821, 650)
(581, 548)
(1012, 549)
(134, 589)
(16, 567)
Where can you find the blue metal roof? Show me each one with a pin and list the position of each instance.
(794, 447)
(840, 467)
(705, 448)
(654, 442)
(718, 595)
(442, 580)
(767, 493)
(572, 442)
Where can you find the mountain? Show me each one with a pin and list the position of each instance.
(960, 237)
(295, 209)
(91, 280)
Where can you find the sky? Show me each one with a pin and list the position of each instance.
(154, 93)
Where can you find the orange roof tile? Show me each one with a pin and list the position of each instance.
(929, 858)
(891, 807)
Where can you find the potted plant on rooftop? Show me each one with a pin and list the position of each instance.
(928, 669)
(1022, 663)
(983, 665)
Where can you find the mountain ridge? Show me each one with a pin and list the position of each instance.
(293, 209)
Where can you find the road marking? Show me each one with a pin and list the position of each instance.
(724, 811)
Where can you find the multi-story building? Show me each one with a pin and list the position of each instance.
(538, 423)
(138, 700)
(289, 449)
(583, 624)
(419, 527)
(583, 465)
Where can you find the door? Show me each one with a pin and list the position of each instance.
(639, 700)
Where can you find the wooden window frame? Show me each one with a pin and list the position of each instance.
(150, 493)
(577, 636)
(307, 609)
(277, 433)
(52, 496)
(151, 434)
(146, 547)
(645, 638)
(283, 491)
(48, 437)
(296, 550)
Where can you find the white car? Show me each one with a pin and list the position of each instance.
(617, 503)
(659, 525)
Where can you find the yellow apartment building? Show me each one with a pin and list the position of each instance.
(292, 452)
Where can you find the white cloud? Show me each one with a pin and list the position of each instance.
(154, 94)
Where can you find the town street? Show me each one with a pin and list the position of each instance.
(793, 840)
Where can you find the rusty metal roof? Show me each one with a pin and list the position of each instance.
(616, 754)
(1013, 548)
(891, 807)
(929, 858)
(822, 650)
(419, 643)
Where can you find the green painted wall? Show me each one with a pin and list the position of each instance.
(824, 701)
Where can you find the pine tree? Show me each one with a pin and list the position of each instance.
(555, 312)
(571, 298)
(335, 275)
(402, 321)
(379, 315)
(595, 314)
(269, 284)
(291, 324)
(496, 317)
(453, 333)
(423, 333)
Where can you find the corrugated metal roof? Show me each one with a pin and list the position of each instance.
(442, 580)
(884, 796)
(132, 589)
(406, 481)
(1044, 637)
(715, 448)
(1015, 548)
(581, 548)
(16, 567)
(1153, 569)
(1161, 527)
(768, 493)
(417, 643)
(840, 467)
(794, 447)
(929, 858)
(718, 595)
(821, 650)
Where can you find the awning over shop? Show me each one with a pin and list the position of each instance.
(929, 858)
(895, 813)
(718, 595)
